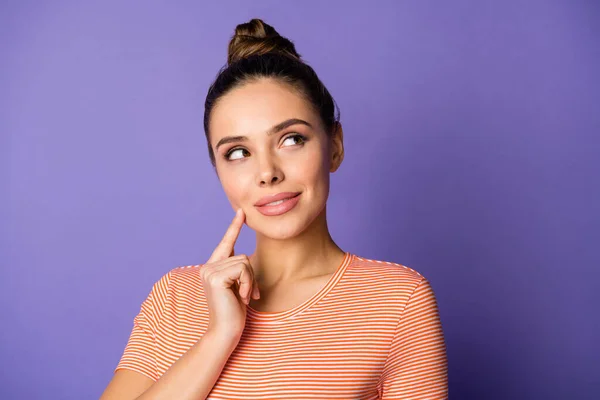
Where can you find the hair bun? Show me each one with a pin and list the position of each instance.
(257, 38)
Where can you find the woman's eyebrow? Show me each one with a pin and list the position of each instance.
(277, 128)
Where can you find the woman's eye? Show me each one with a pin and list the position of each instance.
(302, 138)
(230, 152)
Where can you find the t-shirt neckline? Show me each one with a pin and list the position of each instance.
(255, 315)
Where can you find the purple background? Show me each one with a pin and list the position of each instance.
(472, 155)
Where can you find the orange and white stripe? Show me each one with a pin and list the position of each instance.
(372, 332)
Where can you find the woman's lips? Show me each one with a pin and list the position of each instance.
(280, 208)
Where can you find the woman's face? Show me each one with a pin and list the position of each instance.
(284, 149)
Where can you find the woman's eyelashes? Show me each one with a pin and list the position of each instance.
(241, 150)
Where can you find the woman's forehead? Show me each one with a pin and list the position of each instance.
(256, 107)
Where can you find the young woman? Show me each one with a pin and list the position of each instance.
(300, 317)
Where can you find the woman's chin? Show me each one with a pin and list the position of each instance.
(279, 233)
(279, 230)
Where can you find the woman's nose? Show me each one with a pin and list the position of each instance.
(269, 171)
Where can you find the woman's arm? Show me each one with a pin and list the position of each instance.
(191, 377)
(417, 365)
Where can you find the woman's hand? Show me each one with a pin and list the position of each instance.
(228, 282)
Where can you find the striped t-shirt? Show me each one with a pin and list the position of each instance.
(372, 332)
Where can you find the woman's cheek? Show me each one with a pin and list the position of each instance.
(238, 195)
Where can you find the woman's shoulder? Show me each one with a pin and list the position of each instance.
(186, 275)
(385, 285)
(382, 269)
(179, 282)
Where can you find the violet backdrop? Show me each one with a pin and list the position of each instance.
(472, 155)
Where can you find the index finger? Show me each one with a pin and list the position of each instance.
(225, 248)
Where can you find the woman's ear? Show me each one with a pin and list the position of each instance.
(337, 147)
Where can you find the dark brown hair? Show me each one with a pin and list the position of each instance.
(257, 51)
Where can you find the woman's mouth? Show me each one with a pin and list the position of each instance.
(279, 207)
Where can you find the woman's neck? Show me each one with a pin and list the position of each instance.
(310, 254)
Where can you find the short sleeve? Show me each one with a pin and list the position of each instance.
(417, 365)
(140, 352)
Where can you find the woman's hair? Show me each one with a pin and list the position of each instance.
(257, 51)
